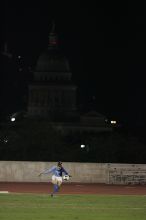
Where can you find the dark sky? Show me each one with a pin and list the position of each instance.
(105, 45)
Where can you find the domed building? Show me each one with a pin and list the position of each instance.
(52, 93)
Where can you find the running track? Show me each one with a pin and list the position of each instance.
(74, 188)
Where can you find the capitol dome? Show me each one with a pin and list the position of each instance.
(51, 60)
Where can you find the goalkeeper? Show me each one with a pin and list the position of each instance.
(57, 172)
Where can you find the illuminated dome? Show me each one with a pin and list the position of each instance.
(52, 65)
(52, 60)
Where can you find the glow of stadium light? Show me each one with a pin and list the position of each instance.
(82, 146)
(13, 119)
(113, 122)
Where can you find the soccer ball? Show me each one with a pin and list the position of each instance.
(65, 177)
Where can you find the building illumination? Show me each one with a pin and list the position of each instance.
(13, 119)
(113, 122)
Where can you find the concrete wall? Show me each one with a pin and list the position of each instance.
(15, 171)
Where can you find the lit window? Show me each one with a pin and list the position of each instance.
(113, 122)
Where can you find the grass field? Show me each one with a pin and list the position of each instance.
(69, 207)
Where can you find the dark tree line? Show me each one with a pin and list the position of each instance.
(31, 140)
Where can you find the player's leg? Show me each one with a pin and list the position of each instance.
(57, 181)
(55, 186)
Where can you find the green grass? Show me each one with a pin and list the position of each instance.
(71, 207)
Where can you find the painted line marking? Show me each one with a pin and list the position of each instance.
(4, 192)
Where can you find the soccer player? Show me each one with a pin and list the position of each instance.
(57, 172)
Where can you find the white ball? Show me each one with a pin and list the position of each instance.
(65, 177)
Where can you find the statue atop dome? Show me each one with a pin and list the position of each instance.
(53, 39)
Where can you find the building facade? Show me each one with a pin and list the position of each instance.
(52, 95)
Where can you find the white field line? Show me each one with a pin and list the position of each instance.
(4, 192)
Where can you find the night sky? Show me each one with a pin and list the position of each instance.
(105, 46)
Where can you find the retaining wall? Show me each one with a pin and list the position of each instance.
(15, 171)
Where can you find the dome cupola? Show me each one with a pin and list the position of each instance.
(52, 64)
